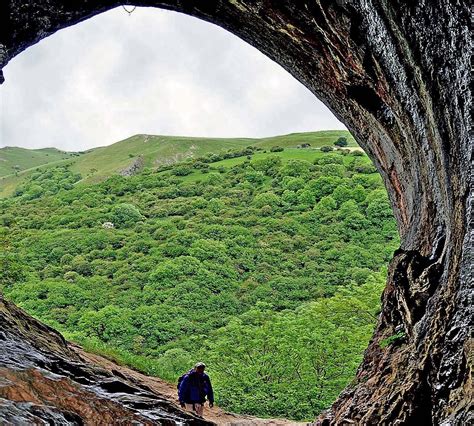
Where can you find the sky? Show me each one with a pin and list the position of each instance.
(153, 72)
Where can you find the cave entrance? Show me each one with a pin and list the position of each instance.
(287, 261)
(335, 49)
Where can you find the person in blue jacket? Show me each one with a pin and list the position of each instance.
(193, 388)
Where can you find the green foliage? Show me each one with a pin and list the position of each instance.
(276, 149)
(12, 269)
(341, 142)
(327, 148)
(48, 183)
(292, 363)
(182, 170)
(124, 215)
(269, 269)
(18, 165)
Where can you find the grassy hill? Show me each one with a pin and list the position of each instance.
(315, 139)
(97, 164)
(161, 150)
(14, 159)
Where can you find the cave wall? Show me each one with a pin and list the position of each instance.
(397, 73)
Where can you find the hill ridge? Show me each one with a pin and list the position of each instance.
(96, 164)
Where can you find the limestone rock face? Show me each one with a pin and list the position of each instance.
(135, 167)
(397, 74)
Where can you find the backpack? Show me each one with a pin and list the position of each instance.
(180, 379)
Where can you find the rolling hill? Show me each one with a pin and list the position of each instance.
(97, 164)
(15, 159)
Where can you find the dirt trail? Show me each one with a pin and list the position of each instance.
(168, 390)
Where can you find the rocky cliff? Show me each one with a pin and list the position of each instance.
(397, 73)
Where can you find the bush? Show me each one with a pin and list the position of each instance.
(125, 215)
(80, 265)
(71, 276)
(182, 170)
(276, 149)
(327, 148)
(329, 159)
(342, 142)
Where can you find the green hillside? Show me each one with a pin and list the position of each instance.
(14, 159)
(164, 150)
(268, 266)
(97, 164)
(315, 139)
(155, 150)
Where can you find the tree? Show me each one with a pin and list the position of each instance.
(301, 358)
(296, 168)
(268, 165)
(266, 198)
(341, 142)
(182, 170)
(80, 265)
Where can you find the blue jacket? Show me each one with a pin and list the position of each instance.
(195, 387)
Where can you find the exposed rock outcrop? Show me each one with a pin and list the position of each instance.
(397, 73)
(135, 167)
(42, 378)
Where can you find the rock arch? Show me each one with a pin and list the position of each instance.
(397, 74)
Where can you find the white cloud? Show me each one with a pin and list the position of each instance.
(154, 72)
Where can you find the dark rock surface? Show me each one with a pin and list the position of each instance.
(43, 380)
(397, 73)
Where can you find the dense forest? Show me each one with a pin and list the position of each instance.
(266, 265)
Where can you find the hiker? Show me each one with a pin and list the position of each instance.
(193, 387)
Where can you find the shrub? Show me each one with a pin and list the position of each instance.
(329, 159)
(327, 148)
(80, 265)
(125, 215)
(71, 276)
(342, 142)
(276, 149)
(182, 170)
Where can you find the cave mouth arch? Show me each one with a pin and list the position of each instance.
(402, 89)
(119, 71)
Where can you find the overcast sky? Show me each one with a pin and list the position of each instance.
(154, 72)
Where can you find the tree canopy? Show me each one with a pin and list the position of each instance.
(269, 269)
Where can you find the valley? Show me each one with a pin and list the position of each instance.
(266, 261)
